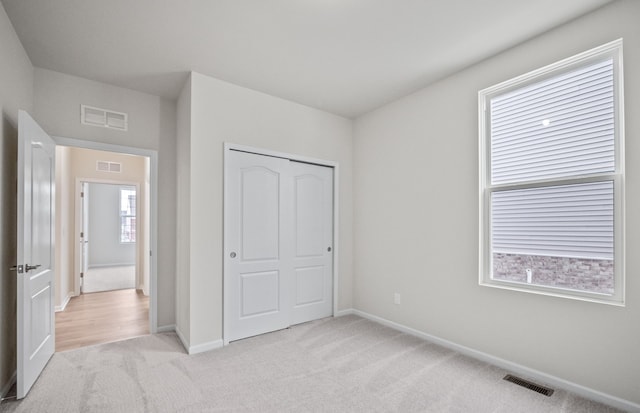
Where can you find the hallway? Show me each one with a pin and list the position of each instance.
(102, 317)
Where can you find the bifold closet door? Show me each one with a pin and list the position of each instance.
(258, 261)
(278, 243)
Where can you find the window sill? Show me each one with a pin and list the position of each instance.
(555, 292)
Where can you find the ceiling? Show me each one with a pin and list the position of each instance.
(343, 56)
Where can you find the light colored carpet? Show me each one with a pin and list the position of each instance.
(346, 364)
(109, 278)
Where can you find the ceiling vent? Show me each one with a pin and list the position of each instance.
(103, 118)
(106, 166)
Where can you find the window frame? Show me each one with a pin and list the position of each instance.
(612, 50)
(121, 216)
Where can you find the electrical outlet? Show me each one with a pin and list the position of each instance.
(396, 298)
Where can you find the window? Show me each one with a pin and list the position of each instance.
(551, 179)
(127, 215)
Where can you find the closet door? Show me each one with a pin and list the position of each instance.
(257, 244)
(278, 244)
(312, 287)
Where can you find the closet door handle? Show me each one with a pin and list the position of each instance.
(28, 267)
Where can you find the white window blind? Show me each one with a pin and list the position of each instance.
(559, 127)
(559, 221)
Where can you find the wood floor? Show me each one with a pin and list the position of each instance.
(102, 317)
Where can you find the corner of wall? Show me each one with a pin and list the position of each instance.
(183, 221)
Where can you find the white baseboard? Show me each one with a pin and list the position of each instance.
(166, 329)
(505, 364)
(143, 288)
(182, 338)
(5, 389)
(64, 303)
(341, 313)
(199, 348)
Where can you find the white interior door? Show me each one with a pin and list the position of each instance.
(257, 248)
(278, 243)
(312, 288)
(36, 235)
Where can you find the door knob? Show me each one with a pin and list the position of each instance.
(232, 255)
(28, 267)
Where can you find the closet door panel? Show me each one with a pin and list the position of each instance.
(313, 242)
(257, 255)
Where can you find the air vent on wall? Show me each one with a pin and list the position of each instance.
(106, 166)
(103, 118)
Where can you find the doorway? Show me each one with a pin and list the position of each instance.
(104, 278)
(46, 243)
(108, 236)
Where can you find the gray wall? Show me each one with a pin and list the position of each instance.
(222, 112)
(152, 125)
(65, 228)
(105, 247)
(16, 92)
(416, 229)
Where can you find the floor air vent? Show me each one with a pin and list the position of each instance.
(529, 385)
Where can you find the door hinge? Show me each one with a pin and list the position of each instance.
(82, 235)
(81, 275)
(81, 194)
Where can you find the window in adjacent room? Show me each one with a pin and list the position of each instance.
(127, 215)
(551, 179)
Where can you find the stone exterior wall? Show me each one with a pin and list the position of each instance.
(574, 273)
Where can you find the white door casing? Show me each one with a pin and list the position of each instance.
(152, 155)
(81, 227)
(278, 243)
(36, 235)
(84, 233)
